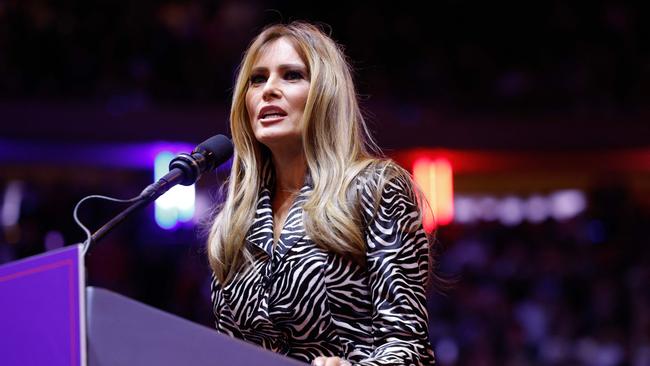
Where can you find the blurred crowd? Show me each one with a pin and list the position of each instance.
(575, 292)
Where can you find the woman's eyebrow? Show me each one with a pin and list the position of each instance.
(291, 66)
(281, 67)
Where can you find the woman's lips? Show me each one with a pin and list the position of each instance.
(271, 119)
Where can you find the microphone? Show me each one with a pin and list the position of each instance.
(186, 169)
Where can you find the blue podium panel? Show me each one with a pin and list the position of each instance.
(41, 302)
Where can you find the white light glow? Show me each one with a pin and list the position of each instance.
(465, 210)
(536, 208)
(178, 203)
(489, 208)
(511, 210)
(567, 204)
(11, 203)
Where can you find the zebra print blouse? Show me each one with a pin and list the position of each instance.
(302, 301)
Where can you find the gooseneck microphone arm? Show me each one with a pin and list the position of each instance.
(184, 169)
(102, 231)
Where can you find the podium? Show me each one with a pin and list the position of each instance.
(48, 317)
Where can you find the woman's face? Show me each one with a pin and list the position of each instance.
(276, 96)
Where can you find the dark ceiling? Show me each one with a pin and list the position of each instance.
(459, 74)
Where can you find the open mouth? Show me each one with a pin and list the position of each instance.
(272, 116)
(271, 113)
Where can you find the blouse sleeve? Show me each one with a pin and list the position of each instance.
(398, 264)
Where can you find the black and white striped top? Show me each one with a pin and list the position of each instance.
(299, 300)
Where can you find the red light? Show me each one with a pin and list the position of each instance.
(435, 179)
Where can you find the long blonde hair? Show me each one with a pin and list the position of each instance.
(336, 143)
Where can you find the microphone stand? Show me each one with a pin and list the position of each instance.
(152, 192)
(102, 231)
(185, 169)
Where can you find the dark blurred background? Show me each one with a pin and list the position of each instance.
(540, 107)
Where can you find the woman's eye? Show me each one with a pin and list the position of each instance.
(257, 79)
(293, 75)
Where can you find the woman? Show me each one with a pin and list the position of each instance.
(318, 251)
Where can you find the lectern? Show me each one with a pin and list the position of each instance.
(48, 317)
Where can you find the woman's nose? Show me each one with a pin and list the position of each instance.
(271, 88)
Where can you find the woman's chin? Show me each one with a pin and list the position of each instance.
(280, 140)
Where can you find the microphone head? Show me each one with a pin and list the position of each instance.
(206, 156)
(217, 149)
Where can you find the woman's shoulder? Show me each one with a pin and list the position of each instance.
(382, 174)
(381, 181)
(388, 195)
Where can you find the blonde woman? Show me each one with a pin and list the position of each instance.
(318, 251)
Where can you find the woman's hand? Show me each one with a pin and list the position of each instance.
(330, 361)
